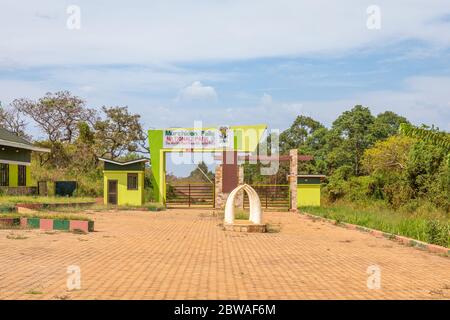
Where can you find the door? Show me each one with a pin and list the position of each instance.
(112, 192)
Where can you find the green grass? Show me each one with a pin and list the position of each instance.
(12, 200)
(102, 207)
(33, 292)
(241, 214)
(425, 227)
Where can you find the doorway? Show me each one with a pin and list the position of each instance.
(112, 192)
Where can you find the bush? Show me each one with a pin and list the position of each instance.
(438, 233)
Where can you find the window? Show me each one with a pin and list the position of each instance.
(4, 174)
(22, 176)
(132, 181)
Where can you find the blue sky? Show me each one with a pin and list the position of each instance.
(232, 62)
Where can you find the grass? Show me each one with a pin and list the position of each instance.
(240, 214)
(34, 292)
(12, 200)
(102, 207)
(425, 227)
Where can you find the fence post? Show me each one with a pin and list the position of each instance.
(189, 195)
(266, 195)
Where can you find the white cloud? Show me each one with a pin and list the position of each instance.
(197, 91)
(178, 30)
(421, 100)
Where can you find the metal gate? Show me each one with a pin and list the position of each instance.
(272, 196)
(190, 195)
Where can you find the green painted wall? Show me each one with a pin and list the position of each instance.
(308, 195)
(14, 176)
(15, 154)
(311, 180)
(124, 196)
(155, 138)
(246, 138)
(129, 167)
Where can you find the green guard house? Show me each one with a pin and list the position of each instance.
(308, 190)
(15, 160)
(123, 182)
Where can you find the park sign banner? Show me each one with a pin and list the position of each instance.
(215, 138)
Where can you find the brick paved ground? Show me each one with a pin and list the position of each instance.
(184, 254)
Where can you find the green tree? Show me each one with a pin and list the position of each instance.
(386, 124)
(297, 135)
(120, 132)
(350, 136)
(201, 174)
(389, 155)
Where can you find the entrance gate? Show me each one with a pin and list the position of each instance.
(272, 196)
(190, 195)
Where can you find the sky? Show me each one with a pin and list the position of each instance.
(228, 62)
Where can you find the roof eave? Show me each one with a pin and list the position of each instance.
(122, 163)
(23, 146)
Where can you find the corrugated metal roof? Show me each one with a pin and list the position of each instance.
(9, 136)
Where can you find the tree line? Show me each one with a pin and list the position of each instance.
(77, 136)
(367, 158)
(364, 156)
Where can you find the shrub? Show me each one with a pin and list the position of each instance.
(438, 233)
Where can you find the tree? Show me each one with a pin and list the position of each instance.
(351, 134)
(57, 114)
(297, 135)
(12, 120)
(432, 136)
(201, 174)
(389, 155)
(386, 124)
(119, 132)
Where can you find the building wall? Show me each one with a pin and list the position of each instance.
(15, 154)
(308, 195)
(124, 196)
(14, 176)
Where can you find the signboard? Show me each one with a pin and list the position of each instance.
(219, 138)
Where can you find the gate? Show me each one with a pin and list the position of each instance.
(272, 196)
(190, 195)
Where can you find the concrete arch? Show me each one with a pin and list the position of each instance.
(255, 205)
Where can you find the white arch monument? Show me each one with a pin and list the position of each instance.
(255, 205)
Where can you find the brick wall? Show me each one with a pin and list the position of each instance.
(221, 197)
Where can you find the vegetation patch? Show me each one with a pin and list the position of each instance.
(16, 237)
(423, 227)
(13, 200)
(33, 291)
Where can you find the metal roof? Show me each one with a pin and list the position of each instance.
(120, 163)
(11, 140)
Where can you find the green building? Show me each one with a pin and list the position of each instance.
(123, 182)
(308, 190)
(15, 159)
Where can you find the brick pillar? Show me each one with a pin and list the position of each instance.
(239, 200)
(218, 201)
(293, 171)
(220, 196)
